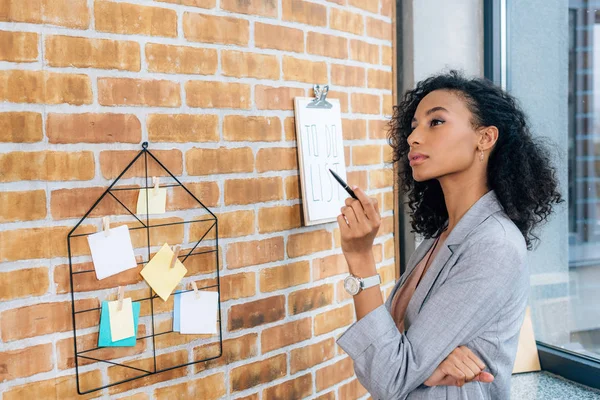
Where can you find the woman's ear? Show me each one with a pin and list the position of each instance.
(488, 136)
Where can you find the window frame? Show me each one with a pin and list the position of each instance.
(570, 365)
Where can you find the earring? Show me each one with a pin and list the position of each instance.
(481, 156)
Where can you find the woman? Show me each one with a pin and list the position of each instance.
(477, 184)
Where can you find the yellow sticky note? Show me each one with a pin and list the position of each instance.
(158, 274)
(157, 201)
(121, 322)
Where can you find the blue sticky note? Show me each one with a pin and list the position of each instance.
(177, 301)
(104, 338)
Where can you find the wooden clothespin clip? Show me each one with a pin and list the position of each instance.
(155, 181)
(195, 287)
(106, 225)
(120, 298)
(176, 251)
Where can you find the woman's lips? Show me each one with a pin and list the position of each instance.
(417, 160)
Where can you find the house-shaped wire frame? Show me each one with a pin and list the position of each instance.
(158, 349)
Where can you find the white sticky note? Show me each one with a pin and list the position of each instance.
(113, 253)
(121, 322)
(157, 201)
(198, 315)
(160, 276)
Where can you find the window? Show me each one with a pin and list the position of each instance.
(551, 63)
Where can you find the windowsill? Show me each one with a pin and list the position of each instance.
(544, 385)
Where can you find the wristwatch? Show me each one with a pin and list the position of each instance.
(354, 285)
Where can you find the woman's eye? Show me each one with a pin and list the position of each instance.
(434, 122)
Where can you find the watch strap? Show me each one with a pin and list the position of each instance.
(371, 281)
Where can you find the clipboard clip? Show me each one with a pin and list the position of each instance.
(320, 100)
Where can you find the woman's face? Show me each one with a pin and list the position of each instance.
(443, 141)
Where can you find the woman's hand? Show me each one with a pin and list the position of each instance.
(460, 367)
(359, 223)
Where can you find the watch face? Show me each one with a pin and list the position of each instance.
(352, 285)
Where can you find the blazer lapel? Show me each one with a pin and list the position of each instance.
(487, 205)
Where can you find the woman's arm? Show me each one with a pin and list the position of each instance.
(389, 364)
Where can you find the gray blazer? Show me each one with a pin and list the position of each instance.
(474, 294)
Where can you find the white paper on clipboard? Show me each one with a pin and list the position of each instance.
(320, 148)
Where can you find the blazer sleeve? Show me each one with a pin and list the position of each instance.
(390, 364)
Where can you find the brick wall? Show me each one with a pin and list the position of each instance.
(209, 83)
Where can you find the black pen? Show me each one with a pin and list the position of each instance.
(344, 184)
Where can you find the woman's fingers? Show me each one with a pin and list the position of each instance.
(367, 204)
(348, 212)
(466, 351)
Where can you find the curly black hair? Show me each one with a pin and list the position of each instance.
(520, 169)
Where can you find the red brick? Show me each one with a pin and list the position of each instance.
(352, 390)
(298, 388)
(207, 388)
(381, 178)
(255, 190)
(276, 159)
(308, 356)
(379, 29)
(215, 29)
(278, 37)
(276, 98)
(304, 300)
(68, 13)
(18, 46)
(183, 128)
(334, 319)
(219, 161)
(259, 312)
(363, 103)
(235, 349)
(354, 129)
(284, 276)
(304, 12)
(50, 242)
(347, 21)
(301, 244)
(378, 129)
(367, 5)
(181, 59)
(329, 266)
(387, 55)
(18, 363)
(364, 52)
(378, 79)
(279, 218)
(347, 75)
(286, 334)
(243, 254)
(80, 52)
(289, 126)
(250, 375)
(243, 65)
(63, 387)
(119, 373)
(334, 373)
(43, 318)
(327, 45)
(138, 92)
(93, 128)
(133, 19)
(292, 187)
(27, 86)
(22, 206)
(251, 128)
(23, 283)
(265, 8)
(193, 3)
(217, 94)
(21, 127)
(113, 162)
(295, 69)
(46, 166)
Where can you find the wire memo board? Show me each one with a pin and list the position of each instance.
(187, 222)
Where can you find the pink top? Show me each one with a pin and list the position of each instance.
(405, 293)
